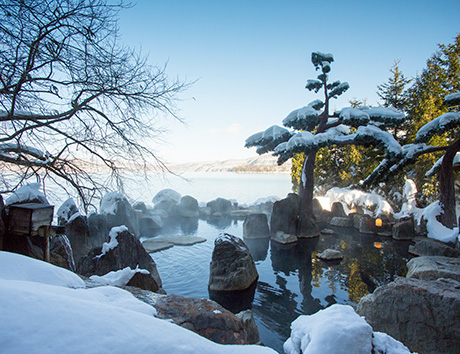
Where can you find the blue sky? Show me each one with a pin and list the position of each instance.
(251, 59)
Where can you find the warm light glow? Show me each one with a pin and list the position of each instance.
(378, 244)
(353, 210)
(378, 222)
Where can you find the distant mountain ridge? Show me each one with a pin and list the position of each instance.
(259, 164)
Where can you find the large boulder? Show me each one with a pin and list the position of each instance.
(424, 315)
(166, 201)
(123, 250)
(232, 267)
(432, 268)
(202, 316)
(118, 211)
(256, 226)
(188, 207)
(429, 247)
(363, 222)
(338, 210)
(404, 229)
(220, 206)
(341, 221)
(149, 225)
(285, 215)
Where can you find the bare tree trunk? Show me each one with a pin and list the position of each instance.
(307, 226)
(447, 187)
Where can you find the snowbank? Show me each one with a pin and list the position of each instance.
(338, 329)
(43, 315)
(372, 203)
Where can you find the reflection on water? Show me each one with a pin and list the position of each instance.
(292, 281)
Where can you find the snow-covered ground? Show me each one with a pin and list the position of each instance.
(47, 309)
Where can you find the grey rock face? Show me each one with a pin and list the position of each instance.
(432, 268)
(338, 210)
(283, 238)
(220, 206)
(429, 247)
(204, 317)
(148, 225)
(232, 266)
(330, 255)
(247, 317)
(284, 215)
(256, 226)
(404, 229)
(128, 253)
(98, 230)
(188, 207)
(341, 221)
(424, 315)
(77, 231)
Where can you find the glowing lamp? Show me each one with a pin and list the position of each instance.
(378, 244)
(353, 210)
(378, 222)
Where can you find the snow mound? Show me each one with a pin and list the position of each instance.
(27, 193)
(118, 278)
(435, 229)
(336, 329)
(15, 266)
(109, 203)
(58, 319)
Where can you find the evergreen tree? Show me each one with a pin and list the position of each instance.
(393, 92)
(317, 128)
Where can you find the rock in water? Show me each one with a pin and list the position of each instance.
(232, 267)
(256, 226)
(424, 315)
(330, 255)
(429, 247)
(220, 206)
(128, 253)
(284, 215)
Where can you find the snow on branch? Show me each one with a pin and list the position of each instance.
(337, 91)
(305, 118)
(318, 58)
(267, 140)
(354, 116)
(387, 115)
(10, 152)
(371, 135)
(437, 165)
(453, 99)
(313, 85)
(441, 124)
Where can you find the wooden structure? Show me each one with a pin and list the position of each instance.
(33, 219)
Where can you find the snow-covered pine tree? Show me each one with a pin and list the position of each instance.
(314, 127)
(446, 123)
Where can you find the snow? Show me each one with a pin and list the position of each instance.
(386, 114)
(166, 195)
(442, 123)
(113, 242)
(438, 163)
(452, 99)
(120, 277)
(354, 197)
(409, 205)
(435, 229)
(26, 193)
(21, 268)
(109, 203)
(385, 344)
(391, 145)
(67, 211)
(350, 115)
(39, 315)
(336, 329)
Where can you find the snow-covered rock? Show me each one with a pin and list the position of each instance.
(220, 206)
(166, 195)
(337, 330)
(118, 211)
(66, 211)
